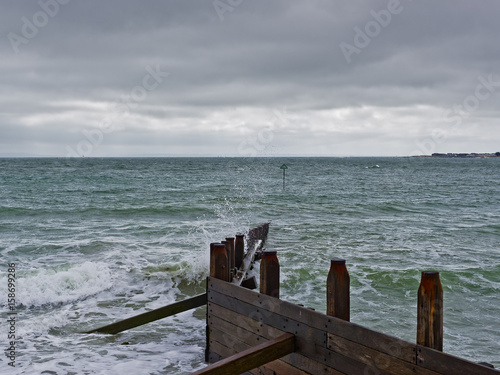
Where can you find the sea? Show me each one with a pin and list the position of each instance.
(95, 240)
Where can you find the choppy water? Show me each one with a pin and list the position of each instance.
(97, 240)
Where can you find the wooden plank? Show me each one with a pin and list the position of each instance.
(236, 333)
(153, 315)
(213, 356)
(306, 335)
(311, 366)
(248, 259)
(310, 342)
(280, 367)
(374, 359)
(379, 341)
(306, 316)
(447, 364)
(309, 317)
(219, 338)
(240, 322)
(247, 329)
(253, 357)
(227, 352)
(234, 339)
(255, 242)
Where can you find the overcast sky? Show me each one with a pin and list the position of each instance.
(249, 77)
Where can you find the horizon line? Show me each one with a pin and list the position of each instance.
(200, 156)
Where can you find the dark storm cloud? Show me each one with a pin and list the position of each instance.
(229, 68)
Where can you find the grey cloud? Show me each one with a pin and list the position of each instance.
(262, 56)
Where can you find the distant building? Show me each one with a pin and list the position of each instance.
(465, 155)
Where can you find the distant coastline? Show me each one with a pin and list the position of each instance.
(461, 155)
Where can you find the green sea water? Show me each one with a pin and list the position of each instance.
(97, 240)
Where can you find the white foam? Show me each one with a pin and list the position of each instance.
(61, 285)
(41, 323)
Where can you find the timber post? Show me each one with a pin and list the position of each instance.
(265, 229)
(430, 311)
(270, 274)
(219, 262)
(230, 242)
(239, 250)
(337, 290)
(228, 251)
(252, 237)
(212, 259)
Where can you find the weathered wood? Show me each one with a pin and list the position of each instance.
(270, 274)
(227, 352)
(306, 335)
(270, 304)
(337, 290)
(221, 351)
(259, 232)
(220, 262)
(310, 328)
(249, 283)
(214, 356)
(430, 311)
(447, 364)
(351, 331)
(230, 272)
(310, 342)
(255, 241)
(287, 309)
(248, 331)
(375, 360)
(208, 352)
(248, 259)
(253, 357)
(230, 241)
(380, 342)
(280, 367)
(213, 260)
(249, 340)
(239, 250)
(240, 326)
(153, 315)
(251, 238)
(230, 334)
(324, 344)
(265, 232)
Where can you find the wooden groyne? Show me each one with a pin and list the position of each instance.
(258, 333)
(251, 332)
